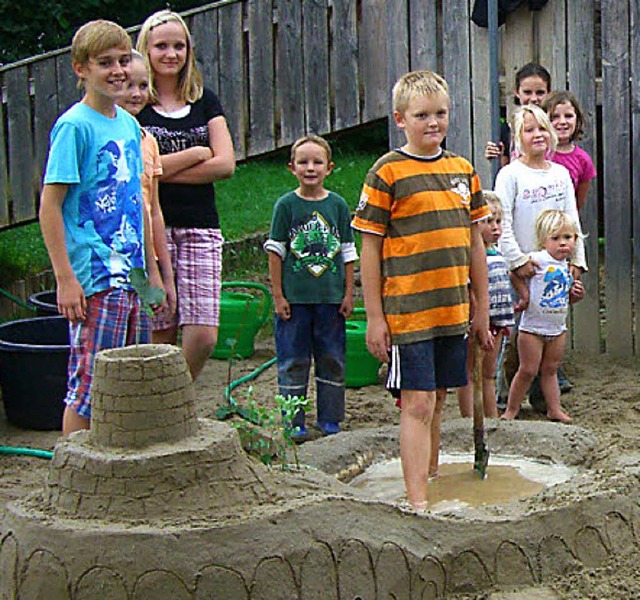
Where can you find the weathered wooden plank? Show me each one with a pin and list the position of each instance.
(22, 183)
(232, 91)
(344, 64)
(4, 174)
(549, 27)
(289, 72)
(262, 136)
(67, 82)
(481, 102)
(517, 48)
(457, 72)
(373, 60)
(45, 108)
(315, 19)
(617, 149)
(634, 41)
(423, 28)
(582, 82)
(397, 59)
(204, 33)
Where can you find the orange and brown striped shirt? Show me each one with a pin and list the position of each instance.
(423, 207)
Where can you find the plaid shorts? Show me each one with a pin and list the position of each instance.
(113, 321)
(196, 256)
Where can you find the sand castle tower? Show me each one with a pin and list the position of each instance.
(147, 456)
(154, 503)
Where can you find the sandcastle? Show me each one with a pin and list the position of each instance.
(153, 502)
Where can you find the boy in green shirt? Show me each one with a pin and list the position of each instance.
(311, 255)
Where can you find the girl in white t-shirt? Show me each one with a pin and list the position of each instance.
(545, 303)
(530, 184)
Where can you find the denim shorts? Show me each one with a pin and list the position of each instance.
(439, 363)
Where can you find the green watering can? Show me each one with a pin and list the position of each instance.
(361, 367)
(241, 316)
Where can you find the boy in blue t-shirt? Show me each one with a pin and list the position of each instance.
(91, 212)
(311, 255)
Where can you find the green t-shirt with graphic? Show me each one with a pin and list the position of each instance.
(313, 233)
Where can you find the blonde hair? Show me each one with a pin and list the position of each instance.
(543, 120)
(549, 222)
(96, 37)
(493, 202)
(190, 84)
(314, 139)
(417, 83)
(135, 55)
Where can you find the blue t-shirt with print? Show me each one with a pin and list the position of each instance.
(99, 158)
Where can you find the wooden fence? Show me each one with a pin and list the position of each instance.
(283, 68)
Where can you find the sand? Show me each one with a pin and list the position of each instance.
(605, 400)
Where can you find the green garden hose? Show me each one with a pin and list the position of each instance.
(17, 300)
(232, 407)
(15, 450)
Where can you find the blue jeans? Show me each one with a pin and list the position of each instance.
(318, 331)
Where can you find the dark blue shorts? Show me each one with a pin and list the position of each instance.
(426, 366)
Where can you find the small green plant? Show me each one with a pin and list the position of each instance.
(149, 296)
(272, 438)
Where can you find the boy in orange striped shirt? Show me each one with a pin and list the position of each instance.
(419, 215)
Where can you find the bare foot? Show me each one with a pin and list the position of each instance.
(420, 507)
(509, 415)
(559, 417)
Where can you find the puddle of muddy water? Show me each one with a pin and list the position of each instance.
(459, 486)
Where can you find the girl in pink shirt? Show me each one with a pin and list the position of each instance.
(568, 122)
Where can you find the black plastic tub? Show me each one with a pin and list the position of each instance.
(45, 303)
(34, 354)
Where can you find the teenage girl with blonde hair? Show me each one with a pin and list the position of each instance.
(189, 124)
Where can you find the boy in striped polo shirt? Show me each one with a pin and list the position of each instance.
(419, 215)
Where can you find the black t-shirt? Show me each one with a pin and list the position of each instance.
(185, 205)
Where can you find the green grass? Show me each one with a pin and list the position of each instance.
(22, 253)
(245, 203)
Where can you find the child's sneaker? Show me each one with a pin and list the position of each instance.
(300, 434)
(328, 428)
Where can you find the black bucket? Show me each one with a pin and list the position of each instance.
(34, 354)
(46, 303)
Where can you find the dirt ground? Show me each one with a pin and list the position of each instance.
(605, 399)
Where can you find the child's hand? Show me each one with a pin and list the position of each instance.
(172, 298)
(527, 270)
(493, 150)
(204, 152)
(576, 272)
(521, 305)
(576, 293)
(346, 307)
(283, 308)
(72, 303)
(482, 332)
(155, 281)
(378, 338)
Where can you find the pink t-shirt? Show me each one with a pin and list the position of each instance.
(578, 163)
